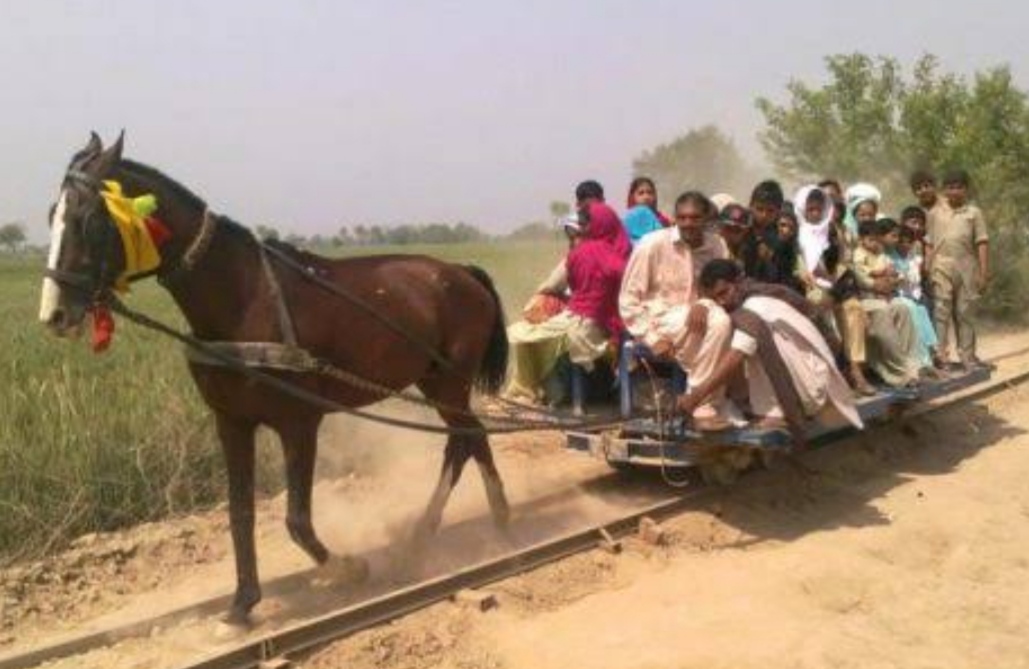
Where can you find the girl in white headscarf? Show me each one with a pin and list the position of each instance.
(814, 237)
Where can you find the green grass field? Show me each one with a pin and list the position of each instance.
(94, 442)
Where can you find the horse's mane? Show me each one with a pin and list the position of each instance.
(228, 224)
(299, 255)
(153, 173)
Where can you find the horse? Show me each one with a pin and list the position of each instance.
(230, 290)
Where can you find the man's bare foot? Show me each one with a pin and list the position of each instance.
(711, 424)
(769, 423)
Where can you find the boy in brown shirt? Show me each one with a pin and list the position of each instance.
(957, 254)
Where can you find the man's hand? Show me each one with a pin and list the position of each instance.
(982, 280)
(696, 321)
(662, 348)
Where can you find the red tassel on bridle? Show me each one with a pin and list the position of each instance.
(159, 232)
(103, 327)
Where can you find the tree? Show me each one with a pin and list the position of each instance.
(560, 209)
(869, 122)
(536, 231)
(12, 235)
(703, 159)
(266, 232)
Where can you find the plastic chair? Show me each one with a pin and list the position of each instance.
(631, 352)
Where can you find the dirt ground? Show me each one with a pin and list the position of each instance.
(908, 547)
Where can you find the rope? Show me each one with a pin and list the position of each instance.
(314, 399)
(656, 393)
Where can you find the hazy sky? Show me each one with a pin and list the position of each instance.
(311, 114)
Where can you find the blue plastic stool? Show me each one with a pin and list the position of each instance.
(632, 351)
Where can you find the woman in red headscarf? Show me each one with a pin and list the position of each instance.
(590, 320)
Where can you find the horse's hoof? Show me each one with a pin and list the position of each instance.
(238, 619)
(224, 630)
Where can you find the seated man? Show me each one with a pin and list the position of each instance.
(661, 307)
(790, 368)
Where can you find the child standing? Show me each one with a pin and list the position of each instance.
(957, 248)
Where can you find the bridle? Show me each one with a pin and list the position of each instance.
(102, 235)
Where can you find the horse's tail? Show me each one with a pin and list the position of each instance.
(493, 371)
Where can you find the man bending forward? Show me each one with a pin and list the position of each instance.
(791, 371)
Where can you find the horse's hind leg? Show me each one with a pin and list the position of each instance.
(498, 505)
(454, 459)
(299, 447)
(237, 439)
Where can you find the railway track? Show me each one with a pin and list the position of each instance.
(272, 648)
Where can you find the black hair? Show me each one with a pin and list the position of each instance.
(921, 176)
(719, 269)
(640, 181)
(957, 177)
(884, 226)
(698, 198)
(913, 211)
(830, 182)
(790, 214)
(589, 189)
(768, 192)
(818, 195)
(868, 228)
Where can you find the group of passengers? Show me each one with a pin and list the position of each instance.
(792, 305)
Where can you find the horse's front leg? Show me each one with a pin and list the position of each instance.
(237, 439)
(299, 449)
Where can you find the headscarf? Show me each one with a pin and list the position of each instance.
(723, 200)
(854, 197)
(812, 238)
(604, 226)
(595, 268)
(641, 221)
(630, 204)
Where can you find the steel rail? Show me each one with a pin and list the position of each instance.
(368, 613)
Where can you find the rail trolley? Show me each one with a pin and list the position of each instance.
(667, 442)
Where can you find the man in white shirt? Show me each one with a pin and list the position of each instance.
(661, 305)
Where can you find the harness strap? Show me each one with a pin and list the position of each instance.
(289, 335)
(339, 291)
(193, 253)
(83, 178)
(73, 279)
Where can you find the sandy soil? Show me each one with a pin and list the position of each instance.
(909, 547)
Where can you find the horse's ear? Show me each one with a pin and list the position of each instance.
(94, 145)
(110, 157)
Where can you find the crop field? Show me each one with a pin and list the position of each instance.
(93, 442)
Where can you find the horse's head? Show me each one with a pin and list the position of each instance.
(86, 254)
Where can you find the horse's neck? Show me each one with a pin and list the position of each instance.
(224, 295)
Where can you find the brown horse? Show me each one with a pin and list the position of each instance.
(220, 279)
